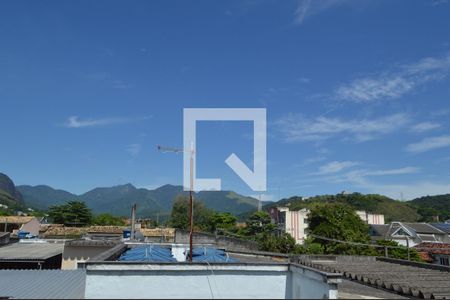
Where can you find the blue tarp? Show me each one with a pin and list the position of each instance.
(206, 254)
(148, 253)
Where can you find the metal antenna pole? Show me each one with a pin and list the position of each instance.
(191, 206)
(191, 188)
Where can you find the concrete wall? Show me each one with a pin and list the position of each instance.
(176, 281)
(307, 284)
(182, 237)
(74, 254)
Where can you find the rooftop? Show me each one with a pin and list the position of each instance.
(445, 227)
(42, 284)
(406, 278)
(414, 228)
(423, 228)
(29, 251)
(61, 230)
(15, 219)
(434, 248)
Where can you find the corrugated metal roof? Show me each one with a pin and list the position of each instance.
(25, 251)
(148, 254)
(42, 284)
(207, 254)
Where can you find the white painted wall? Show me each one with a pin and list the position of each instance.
(296, 225)
(178, 281)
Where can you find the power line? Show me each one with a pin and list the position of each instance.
(354, 243)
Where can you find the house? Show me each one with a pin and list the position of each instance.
(435, 253)
(14, 224)
(296, 222)
(408, 234)
(81, 250)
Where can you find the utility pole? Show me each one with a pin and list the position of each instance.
(407, 246)
(191, 189)
(133, 222)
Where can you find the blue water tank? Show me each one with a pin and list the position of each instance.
(126, 233)
(23, 234)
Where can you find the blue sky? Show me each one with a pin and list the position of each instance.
(357, 92)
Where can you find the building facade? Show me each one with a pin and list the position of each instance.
(296, 222)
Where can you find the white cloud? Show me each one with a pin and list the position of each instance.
(425, 126)
(439, 2)
(395, 84)
(360, 176)
(441, 112)
(369, 89)
(134, 149)
(311, 160)
(412, 190)
(295, 127)
(304, 80)
(107, 78)
(120, 84)
(361, 179)
(75, 122)
(399, 171)
(307, 8)
(336, 166)
(429, 144)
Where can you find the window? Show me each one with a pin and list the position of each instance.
(444, 261)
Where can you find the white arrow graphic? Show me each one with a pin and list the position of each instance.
(255, 179)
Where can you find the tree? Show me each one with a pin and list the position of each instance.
(339, 222)
(309, 247)
(398, 253)
(222, 221)
(108, 220)
(259, 223)
(179, 217)
(73, 213)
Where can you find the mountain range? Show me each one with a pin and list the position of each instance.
(117, 200)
